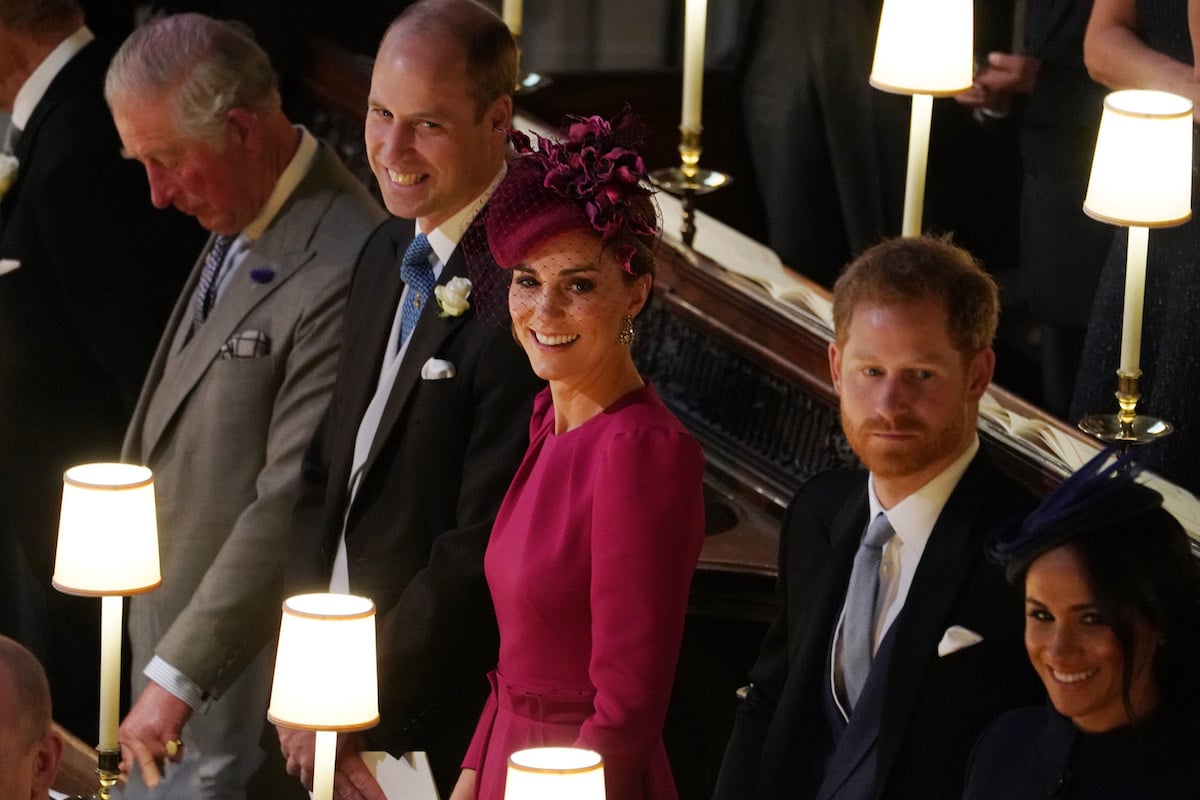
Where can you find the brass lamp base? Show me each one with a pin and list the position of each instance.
(688, 181)
(108, 772)
(1113, 429)
(1126, 427)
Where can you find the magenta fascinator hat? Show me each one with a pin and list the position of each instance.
(591, 181)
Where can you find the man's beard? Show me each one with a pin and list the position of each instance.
(908, 457)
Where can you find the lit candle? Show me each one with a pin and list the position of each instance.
(693, 63)
(1135, 292)
(512, 16)
(110, 671)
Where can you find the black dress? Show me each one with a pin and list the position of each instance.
(1170, 359)
(1038, 753)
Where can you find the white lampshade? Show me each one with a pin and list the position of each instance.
(108, 531)
(925, 47)
(552, 773)
(1142, 168)
(325, 673)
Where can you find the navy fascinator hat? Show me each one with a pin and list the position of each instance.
(1102, 496)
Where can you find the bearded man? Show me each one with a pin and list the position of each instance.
(896, 640)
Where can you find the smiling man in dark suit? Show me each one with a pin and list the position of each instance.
(88, 273)
(242, 374)
(896, 640)
(426, 426)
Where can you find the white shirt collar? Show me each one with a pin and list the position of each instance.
(39, 80)
(913, 517)
(445, 237)
(296, 169)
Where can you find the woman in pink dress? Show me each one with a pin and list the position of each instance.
(594, 547)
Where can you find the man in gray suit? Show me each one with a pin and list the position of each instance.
(242, 373)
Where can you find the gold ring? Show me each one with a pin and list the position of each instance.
(173, 746)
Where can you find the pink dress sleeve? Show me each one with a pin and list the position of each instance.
(647, 528)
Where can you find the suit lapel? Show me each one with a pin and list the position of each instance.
(185, 366)
(953, 545)
(89, 61)
(431, 333)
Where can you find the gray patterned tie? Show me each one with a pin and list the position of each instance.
(858, 624)
(417, 274)
(206, 292)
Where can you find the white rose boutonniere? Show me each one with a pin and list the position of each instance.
(8, 172)
(452, 298)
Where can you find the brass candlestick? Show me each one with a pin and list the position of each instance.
(688, 180)
(1126, 427)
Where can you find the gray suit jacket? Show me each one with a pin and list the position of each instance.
(225, 436)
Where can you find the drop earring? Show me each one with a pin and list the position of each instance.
(627, 332)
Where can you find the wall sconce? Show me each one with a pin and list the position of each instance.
(924, 49)
(325, 674)
(1141, 178)
(108, 548)
(553, 773)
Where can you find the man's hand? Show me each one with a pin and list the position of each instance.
(996, 82)
(156, 718)
(351, 779)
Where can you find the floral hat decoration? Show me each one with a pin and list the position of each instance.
(590, 181)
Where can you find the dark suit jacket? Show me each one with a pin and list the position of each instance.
(933, 707)
(1062, 249)
(439, 466)
(99, 270)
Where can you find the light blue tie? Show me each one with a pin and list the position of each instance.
(417, 274)
(858, 624)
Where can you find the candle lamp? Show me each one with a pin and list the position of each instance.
(325, 674)
(552, 773)
(513, 14)
(1141, 178)
(923, 49)
(688, 180)
(108, 548)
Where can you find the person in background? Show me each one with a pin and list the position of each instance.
(30, 748)
(592, 555)
(1112, 627)
(896, 640)
(242, 374)
(1056, 107)
(88, 273)
(425, 427)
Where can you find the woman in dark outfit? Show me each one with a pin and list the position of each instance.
(1112, 627)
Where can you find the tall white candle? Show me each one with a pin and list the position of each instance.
(1135, 292)
(693, 63)
(918, 161)
(323, 765)
(110, 670)
(512, 16)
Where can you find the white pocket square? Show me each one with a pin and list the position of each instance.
(957, 638)
(435, 369)
(7, 265)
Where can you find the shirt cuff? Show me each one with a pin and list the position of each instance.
(178, 684)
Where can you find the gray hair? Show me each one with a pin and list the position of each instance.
(30, 691)
(207, 66)
(39, 16)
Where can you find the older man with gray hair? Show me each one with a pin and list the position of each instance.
(30, 748)
(243, 371)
